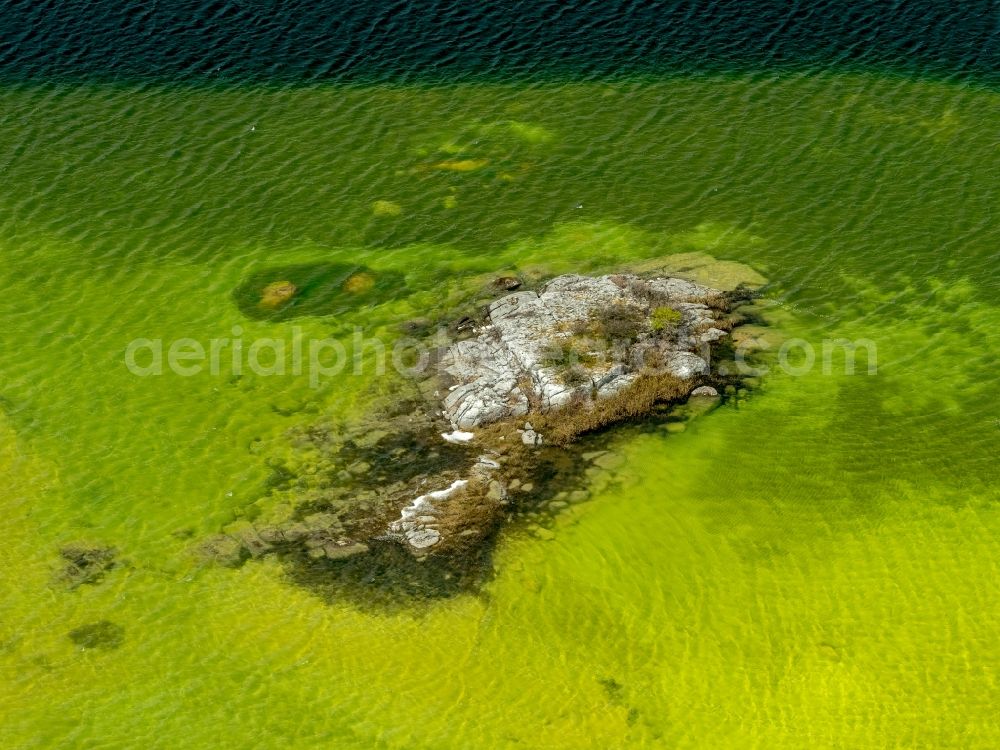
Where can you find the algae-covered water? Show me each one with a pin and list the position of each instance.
(814, 565)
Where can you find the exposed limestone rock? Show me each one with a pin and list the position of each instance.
(651, 336)
(457, 436)
(437, 473)
(530, 437)
(519, 362)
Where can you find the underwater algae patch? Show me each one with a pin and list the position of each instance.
(320, 289)
(102, 634)
(933, 323)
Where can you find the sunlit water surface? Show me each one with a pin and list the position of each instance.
(815, 566)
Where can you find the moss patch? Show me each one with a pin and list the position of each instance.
(665, 319)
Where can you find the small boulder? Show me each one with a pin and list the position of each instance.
(506, 283)
(530, 437)
(704, 391)
(423, 538)
(610, 461)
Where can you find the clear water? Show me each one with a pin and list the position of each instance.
(814, 567)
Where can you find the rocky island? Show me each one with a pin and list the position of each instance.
(495, 421)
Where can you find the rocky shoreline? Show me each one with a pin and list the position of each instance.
(494, 427)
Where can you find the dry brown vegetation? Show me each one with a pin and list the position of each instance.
(469, 514)
(568, 423)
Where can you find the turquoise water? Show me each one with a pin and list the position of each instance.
(812, 565)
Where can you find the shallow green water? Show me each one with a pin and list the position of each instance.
(815, 567)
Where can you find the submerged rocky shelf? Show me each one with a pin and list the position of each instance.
(494, 426)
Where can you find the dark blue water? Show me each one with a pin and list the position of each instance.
(285, 40)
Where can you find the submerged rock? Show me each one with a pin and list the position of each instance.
(102, 634)
(386, 208)
(224, 550)
(609, 461)
(359, 283)
(317, 289)
(86, 563)
(277, 293)
(461, 165)
(702, 268)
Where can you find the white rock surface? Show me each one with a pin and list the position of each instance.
(457, 436)
(416, 521)
(506, 371)
(705, 391)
